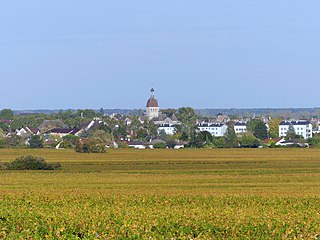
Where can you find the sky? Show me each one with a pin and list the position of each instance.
(61, 54)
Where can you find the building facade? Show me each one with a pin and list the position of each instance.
(169, 129)
(240, 127)
(216, 129)
(301, 127)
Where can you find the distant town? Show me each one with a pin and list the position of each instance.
(95, 130)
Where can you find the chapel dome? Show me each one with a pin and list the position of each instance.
(152, 102)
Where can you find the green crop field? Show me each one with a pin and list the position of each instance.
(163, 194)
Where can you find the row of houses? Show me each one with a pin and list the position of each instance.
(301, 127)
(57, 128)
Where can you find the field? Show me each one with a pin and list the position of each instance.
(164, 194)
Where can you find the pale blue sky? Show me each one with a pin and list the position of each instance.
(204, 54)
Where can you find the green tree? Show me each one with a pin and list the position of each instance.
(4, 127)
(87, 113)
(197, 141)
(102, 136)
(170, 141)
(151, 128)
(69, 141)
(207, 137)
(90, 146)
(2, 142)
(160, 145)
(169, 111)
(14, 141)
(36, 142)
(33, 120)
(101, 111)
(142, 134)
(162, 135)
(291, 133)
(218, 142)
(230, 138)
(6, 114)
(248, 140)
(134, 126)
(314, 141)
(274, 127)
(187, 117)
(258, 128)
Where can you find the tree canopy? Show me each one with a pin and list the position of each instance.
(258, 128)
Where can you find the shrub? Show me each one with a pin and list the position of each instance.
(122, 145)
(248, 140)
(31, 163)
(90, 146)
(36, 142)
(160, 145)
(69, 141)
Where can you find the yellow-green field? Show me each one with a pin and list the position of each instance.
(152, 194)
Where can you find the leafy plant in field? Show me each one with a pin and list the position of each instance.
(90, 146)
(160, 145)
(31, 163)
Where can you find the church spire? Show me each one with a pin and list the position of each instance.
(152, 106)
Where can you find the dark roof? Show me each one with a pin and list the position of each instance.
(75, 130)
(240, 124)
(181, 143)
(154, 141)
(166, 125)
(210, 124)
(160, 118)
(136, 142)
(152, 102)
(61, 130)
(34, 130)
(95, 125)
(173, 117)
(84, 125)
(300, 122)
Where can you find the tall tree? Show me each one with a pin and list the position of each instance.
(248, 140)
(230, 138)
(6, 114)
(169, 111)
(187, 117)
(274, 127)
(291, 133)
(101, 136)
(258, 128)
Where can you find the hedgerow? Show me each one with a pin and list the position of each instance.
(31, 163)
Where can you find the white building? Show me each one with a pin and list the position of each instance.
(301, 127)
(216, 129)
(152, 106)
(240, 127)
(27, 130)
(167, 128)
